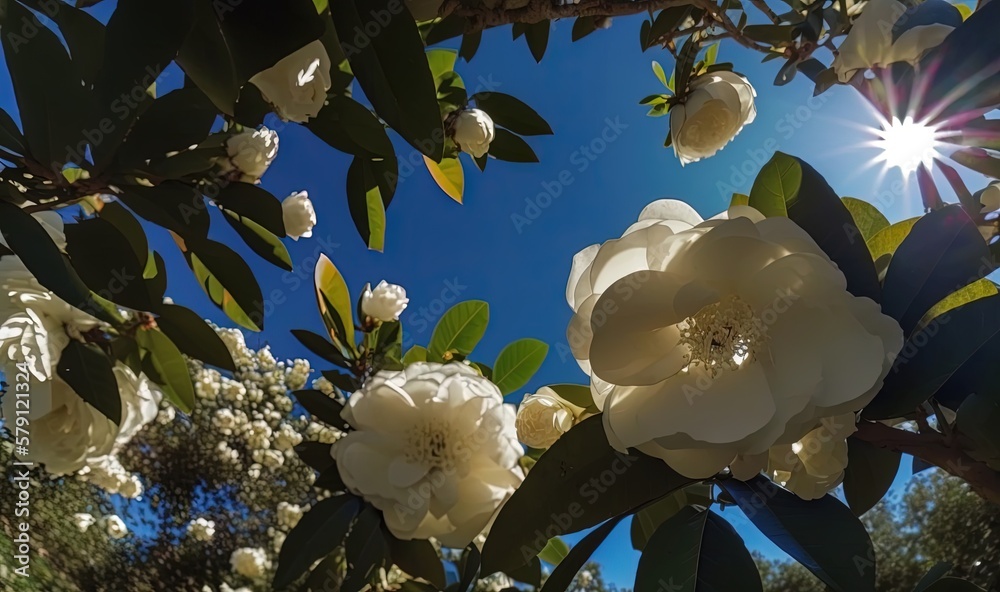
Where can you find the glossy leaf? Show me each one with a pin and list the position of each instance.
(87, 370)
(320, 531)
(366, 550)
(460, 329)
(511, 113)
(193, 336)
(417, 558)
(517, 363)
(869, 474)
(318, 345)
(334, 301)
(564, 573)
(253, 202)
(170, 366)
(260, 240)
(867, 218)
(511, 147)
(448, 175)
(324, 407)
(366, 203)
(226, 279)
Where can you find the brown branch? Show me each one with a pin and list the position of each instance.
(933, 448)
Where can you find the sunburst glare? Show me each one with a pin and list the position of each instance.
(907, 144)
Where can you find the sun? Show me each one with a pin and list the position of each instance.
(907, 144)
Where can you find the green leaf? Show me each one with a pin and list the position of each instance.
(943, 251)
(511, 113)
(321, 530)
(979, 289)
(392, 70)
(537, 36)
(174, 121)
(885, 242)
(866, 217)
(366, 550)
(517, 363)
(870, 471)
(417, 558)
(255, 203)
(773, 34)
(576, 394)
(554, 552)
(366, 203)
(416, 353)
(977, 420)
(948, 359)
(470, 44)
(87, 370)
(193, 336)
(318, 345)
(789, 186)
(322, 406)
(660, 74)
(227, 279)
(583, 26)
(666, 21)
(934, 574)
(696, 550)
(647, 520)
(683, 66)
(564, 573)
(953, 585)
(468, 567)
(171, 369)
(711, 54)
(448, 175)
(29, 241)
(460, 329)
(334, 301)
(316, 455)
(558, 495)
(978, 160)
(739, 199)
(130, 228)
(823, 535)
(10, 135)
(107, 264)
(52, 103)
(510, 147)
(172, 205)
(262, 241)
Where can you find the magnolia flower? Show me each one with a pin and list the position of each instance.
(251, 152)
(434, 448)
(712, 340)
(875, 41)
(249, 562)
(424, 10)
(296, 86)
(473, 132)
(201, 529)
(814, 465)
(298, 215)
(545, 416)
(115, 527)
(73, 434)
(385, 303)
(83, 521)
(714, 111)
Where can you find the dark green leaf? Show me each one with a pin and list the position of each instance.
(772, 34)
(953, 585)
(10, 135)
(324, 407)
(391, 69)
(562, 576)
(558, 495)
(107, 264)
(942, 253)
(934, 574)
(537, 36)
(130, 228)
(366, 201)
(175, 121)
(870, 471)
(511, 113)
(87, 370)
(172, 205)
(867, 218)
(667, 21)
(344, 382)
(227, 280)
(366, 550)
(510, 147)
(417, 558)
(318, 345)
(262, 241)
(583, 26)
(192, 335)
(823, 535)
(470, 44)
(696, 550)
(321, 530)
(316, 455)
(255, 203)
(170, 367)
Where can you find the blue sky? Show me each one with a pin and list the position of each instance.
(613, 158)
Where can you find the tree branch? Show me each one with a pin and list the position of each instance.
(933, 448)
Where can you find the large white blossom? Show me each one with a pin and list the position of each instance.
(296, 86)
(434, 448)
(715, 109)
(251, 153)
(870, 41)
(542, 418)
(298, 215)
(814, 465)
(712, 340)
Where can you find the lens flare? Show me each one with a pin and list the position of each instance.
(907, 144)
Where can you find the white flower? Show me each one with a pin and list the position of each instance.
(814, 465)
(289, 515)
(296, 86)
(249, 562)
(474, 132)
(201, 529)
(115, 527)
(286, 438)
(434, 448)
(83, 521)
(714, 111)
(709, 340)
(870, 42)
(251, 152)
(545, 416)
(298, 215)
(424, 10)
(131, 488)
(385, 303)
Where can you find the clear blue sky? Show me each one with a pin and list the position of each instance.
(435, 247)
